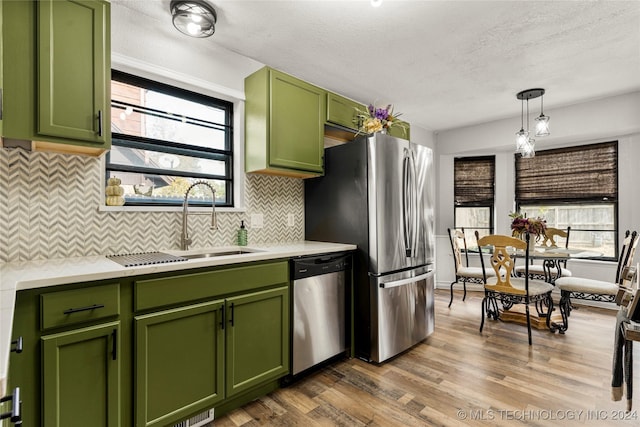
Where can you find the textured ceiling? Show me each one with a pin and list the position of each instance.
(444, 64)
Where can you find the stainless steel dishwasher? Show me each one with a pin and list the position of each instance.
(319, 308)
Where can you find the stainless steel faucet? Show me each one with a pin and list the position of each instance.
(185, 240)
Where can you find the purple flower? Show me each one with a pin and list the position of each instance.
(381, 113)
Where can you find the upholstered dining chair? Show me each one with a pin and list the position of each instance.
(508, 289)
(550, 239)
(463, 272)
(594, 290)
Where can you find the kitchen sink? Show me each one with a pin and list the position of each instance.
(221, 253)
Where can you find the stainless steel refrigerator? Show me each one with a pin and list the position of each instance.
(377, 193)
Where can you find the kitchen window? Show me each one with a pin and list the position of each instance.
(576, 187)
(166, 138)
(474, 183)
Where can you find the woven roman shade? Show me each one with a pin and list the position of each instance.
(582, 173)
(474, 179)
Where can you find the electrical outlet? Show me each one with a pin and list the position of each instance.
(257, 220)
(291, 220)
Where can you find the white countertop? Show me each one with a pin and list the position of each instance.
(38, 274)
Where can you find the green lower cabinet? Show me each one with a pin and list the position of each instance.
(81, 377)
(179, 356)
(257, 339)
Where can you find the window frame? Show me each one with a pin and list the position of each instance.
(475, 204)
(228, 155)
(576, 201)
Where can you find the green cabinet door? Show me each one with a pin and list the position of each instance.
(179, 360)
(81, 377)
(56, 88)
(73, 68)
(257, 343)
(1, 66)
(401, 131)
(284, 125)
(342, 111)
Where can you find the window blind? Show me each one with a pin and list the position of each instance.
(474, 179)
(581, 173)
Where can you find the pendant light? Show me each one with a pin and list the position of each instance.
(524, 144)
(195, 18)
(542, 121)
(522, 136)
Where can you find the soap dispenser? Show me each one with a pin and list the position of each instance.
(242, 235)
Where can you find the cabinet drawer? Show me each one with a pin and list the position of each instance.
(79, 305)
(190, 287)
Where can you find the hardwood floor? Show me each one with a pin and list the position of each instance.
(458, 377)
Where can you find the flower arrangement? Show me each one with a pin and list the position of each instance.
(376, 119)
(521, 224)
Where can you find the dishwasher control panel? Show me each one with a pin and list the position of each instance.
(320, 264)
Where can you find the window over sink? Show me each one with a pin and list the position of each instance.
(164, 139)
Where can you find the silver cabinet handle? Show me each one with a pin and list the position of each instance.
(18, 345)
(16, 405)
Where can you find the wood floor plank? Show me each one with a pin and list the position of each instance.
(461, 377)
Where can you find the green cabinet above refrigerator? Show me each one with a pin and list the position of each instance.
(343, 111)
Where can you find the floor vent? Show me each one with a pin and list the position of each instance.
(198, 420)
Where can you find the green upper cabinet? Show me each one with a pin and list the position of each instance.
(57, 86)
(343, 111)
(1, 64)
(73, 66)
(284, 125)
(400, 132)
(81, 377)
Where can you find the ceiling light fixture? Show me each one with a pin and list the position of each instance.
(195, 18)
(524, 144)
(376, 3)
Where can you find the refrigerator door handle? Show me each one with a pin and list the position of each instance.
(413, 204)
(406, 281)
(406, 203)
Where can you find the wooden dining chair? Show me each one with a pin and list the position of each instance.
(507, 289)
(463, 272)
(594, 290)
(546, 271)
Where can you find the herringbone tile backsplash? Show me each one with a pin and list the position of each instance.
(49, 209)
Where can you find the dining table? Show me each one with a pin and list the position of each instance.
(554, 259)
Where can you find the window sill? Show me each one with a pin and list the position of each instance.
(103, 208)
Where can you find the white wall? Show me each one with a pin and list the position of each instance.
(201, 59)
(607, 119)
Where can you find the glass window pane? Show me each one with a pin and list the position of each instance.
(476, 217)
(164, 189)
(472, 219)
(127, 156)
(592, 225)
